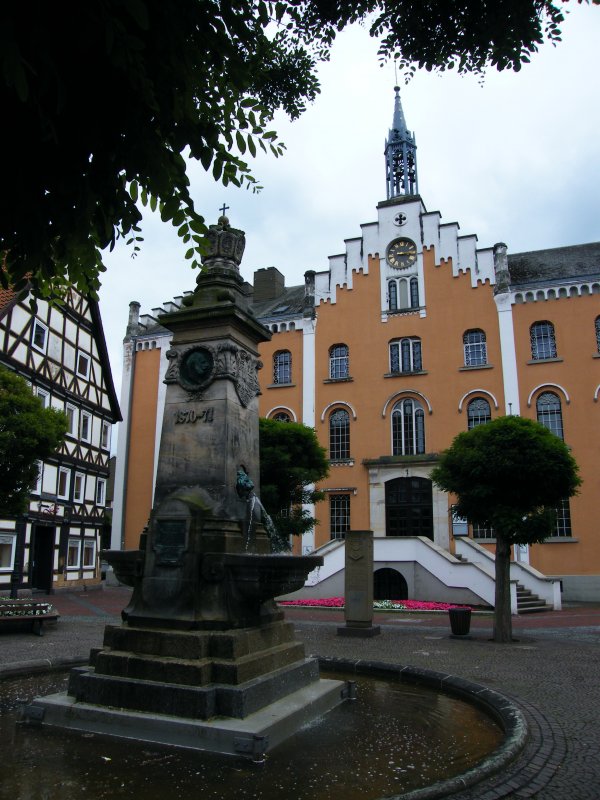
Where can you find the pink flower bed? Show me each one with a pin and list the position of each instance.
(408, 605)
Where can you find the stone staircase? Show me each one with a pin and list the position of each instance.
(528, 602)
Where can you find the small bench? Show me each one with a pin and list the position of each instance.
(27, 612)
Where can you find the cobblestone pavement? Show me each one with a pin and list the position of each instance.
(552, 671)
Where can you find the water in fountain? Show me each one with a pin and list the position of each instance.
(392, 739)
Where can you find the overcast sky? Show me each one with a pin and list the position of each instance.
(515, 160)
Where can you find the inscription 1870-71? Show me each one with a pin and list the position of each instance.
(170, 541)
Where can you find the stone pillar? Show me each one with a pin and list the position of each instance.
(358, 586)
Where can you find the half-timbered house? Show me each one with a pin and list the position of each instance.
(61, 352)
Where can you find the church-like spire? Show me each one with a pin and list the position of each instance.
(400, 156)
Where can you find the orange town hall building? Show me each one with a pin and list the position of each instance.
(410, 336)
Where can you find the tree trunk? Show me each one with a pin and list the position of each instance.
(502, 615)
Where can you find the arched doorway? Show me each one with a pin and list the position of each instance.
(409, 507)
(389, 584)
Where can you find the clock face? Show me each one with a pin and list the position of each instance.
(402, 253)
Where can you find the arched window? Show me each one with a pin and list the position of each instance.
(403, 293)
(543, 341)
(392, 295)
(338, 361)
(478, 412)
(282, 367)
(282, 416)
(598, 334)
(339, 435)
(549, 413)
(408, 428)
(405, 355)
(475, 348)
(414, 293)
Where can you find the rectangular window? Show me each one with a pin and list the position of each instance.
(44, 396)
(73, 553)
(83, 365)
(563, 519)
(85, 426)
(105, 435)
(72, 416)
(39, 336)
(339, 362)
(100, 492)
(8, 543)
(406, 356)
(339, 515)
(89, 555)
(78, 487)
(479, 532)
(64, 483)
(282, 367)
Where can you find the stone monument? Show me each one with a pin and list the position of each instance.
(358, 586)
(204, 658)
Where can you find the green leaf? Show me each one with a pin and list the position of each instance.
(240, 142)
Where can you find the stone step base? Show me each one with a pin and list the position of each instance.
(250, 737)
(197, 672)
(233, 643)
(189, 701)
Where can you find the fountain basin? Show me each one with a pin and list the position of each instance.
(403, 734)
(263, 577)
(128, 565)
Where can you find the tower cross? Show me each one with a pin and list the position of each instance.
(223, 209)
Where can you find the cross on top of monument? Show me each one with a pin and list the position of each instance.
(223, 209)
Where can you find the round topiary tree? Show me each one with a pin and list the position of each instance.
(509, 475)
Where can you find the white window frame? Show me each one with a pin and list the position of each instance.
(282, 368)
(74, 421)
(74, 543)
(11, 540)
(475, 352)
(339, 361)
(407, 351)
(37, 324)
(79, 496)
(89, 544)
(88, 358)
(100, 491)
(67, 472)
(85, 416)
(105, 435)
(44, 396)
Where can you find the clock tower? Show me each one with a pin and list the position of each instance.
(400, 156)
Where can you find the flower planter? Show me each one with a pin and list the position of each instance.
(460, 621)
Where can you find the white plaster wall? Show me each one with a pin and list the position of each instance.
(122, 432)
(509, 357)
